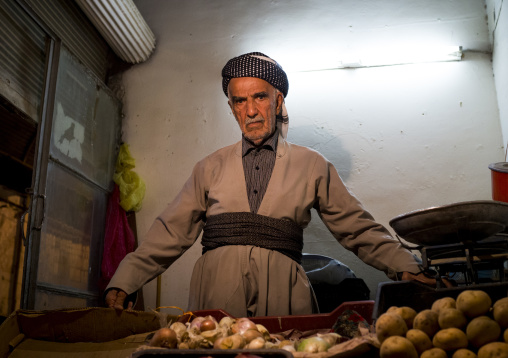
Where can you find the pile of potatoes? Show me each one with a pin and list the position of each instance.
(466, 327)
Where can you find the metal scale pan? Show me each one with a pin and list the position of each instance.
(469, 236)
(453, 223)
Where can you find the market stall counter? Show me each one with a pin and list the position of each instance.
(104, 332)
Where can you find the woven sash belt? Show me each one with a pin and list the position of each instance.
(245, 228)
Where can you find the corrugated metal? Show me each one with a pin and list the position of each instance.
(77, 33)
(22, 48)
(22, 57)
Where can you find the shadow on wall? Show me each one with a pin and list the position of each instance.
(323, 141)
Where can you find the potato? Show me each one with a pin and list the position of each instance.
(494, 350)
(473, 303)
(445, 302)
(451, 318)
(482, 330)
(500, 301)
(463, 353)
(434, 353)
(408, 314)
(390, 324)
(397, 347)
(500, 313)
(427, 321)
(420, 340)
(450, 339)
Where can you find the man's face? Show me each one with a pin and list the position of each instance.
(254, 103)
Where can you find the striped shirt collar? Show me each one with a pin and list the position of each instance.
(270, 143)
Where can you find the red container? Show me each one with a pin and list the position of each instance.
(499, 172)
(303, 323)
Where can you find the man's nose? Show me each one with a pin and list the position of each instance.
(252, 110)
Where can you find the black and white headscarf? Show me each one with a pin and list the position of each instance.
(257, 64)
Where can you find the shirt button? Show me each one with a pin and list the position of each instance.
(257, 167)
(255, 191)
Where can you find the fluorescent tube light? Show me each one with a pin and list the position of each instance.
(403, 55)
(384, 56)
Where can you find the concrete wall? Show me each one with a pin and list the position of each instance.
(498, 32)
(402, 137)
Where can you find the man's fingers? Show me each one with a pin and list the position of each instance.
(421, 277)
(111, 298)
(115, 299)
(120, 298)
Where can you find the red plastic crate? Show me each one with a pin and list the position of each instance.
(276, 324)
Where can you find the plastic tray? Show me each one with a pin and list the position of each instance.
(216, 353)
(419, 296)
(276, 324)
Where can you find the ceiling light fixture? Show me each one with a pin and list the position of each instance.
(122, 26)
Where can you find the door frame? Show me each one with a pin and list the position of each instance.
(41, 159)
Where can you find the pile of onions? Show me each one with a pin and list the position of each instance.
(230, 333)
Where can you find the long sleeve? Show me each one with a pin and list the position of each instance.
(171, 234)
(354, 227)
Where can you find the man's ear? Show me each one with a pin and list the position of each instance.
(280, 100)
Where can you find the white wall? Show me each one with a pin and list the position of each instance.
(402, 137)
(498, 31)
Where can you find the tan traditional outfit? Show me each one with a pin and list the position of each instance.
(251, 261)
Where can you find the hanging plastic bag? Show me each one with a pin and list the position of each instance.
(132, 187)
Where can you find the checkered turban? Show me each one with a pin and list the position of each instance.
(257, 64)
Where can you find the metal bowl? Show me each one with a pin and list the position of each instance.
(454, 223)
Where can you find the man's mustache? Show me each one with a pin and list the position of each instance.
(253, 120)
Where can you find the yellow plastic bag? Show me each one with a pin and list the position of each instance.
(132, 187)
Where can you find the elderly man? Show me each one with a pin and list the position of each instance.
(252, 201)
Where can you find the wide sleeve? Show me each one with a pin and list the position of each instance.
(354, 227)
(171, 234)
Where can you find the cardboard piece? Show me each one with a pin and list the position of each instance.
(84, 332)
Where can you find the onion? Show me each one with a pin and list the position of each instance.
(313, 345)
(196, 323)
(213, 335)
(207, 325)
(243, 324)
(164, 337)
(256, 343)
(264, 331)
(285, 343)
(251, 334)
(234, 341)
(179, 328)
(289, 348)
(330, 338)
(226, 321)
(271, 345)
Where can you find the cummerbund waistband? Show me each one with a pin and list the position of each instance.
(245, 228)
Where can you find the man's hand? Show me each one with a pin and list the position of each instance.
(115, 298)
(421, 277)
